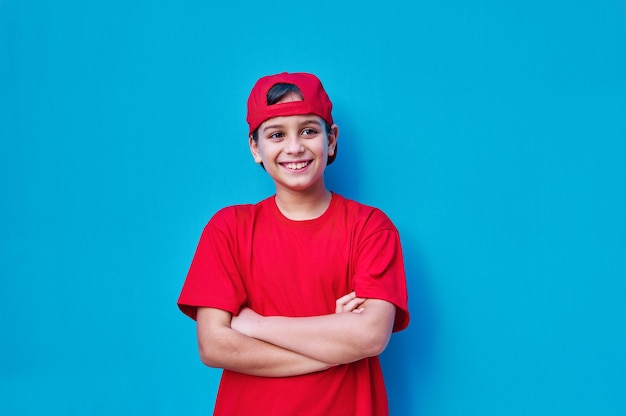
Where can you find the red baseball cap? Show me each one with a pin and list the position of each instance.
(314, 99)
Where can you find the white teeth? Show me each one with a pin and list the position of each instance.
(296, 166)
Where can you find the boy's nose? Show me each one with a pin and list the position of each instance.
(294, 145)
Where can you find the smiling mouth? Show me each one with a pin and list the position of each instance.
(296, 165)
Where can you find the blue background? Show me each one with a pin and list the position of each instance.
(492, 133)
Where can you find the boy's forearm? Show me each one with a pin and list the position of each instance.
(255, 357)
(338, 338)
(223, 347)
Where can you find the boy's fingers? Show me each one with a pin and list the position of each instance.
(340, 304)
(348, 303)
(346, 298)
(354, 303)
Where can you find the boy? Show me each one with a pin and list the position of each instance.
(296, 296)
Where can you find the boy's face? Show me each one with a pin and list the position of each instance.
(294, 150)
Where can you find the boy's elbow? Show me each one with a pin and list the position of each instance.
(212, 349)
(213, 330)
(205, 356)
(375, 345)
(377, 331)
(369, 343)
(208, 356)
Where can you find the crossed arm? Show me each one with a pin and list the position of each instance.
(278, 346)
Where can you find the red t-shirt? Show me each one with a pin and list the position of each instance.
(252, 255)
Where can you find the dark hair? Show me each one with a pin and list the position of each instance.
(277, 93)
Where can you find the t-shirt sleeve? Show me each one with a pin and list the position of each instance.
(379, 267)
(213, 279)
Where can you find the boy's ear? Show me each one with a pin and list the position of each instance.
(333, 134)
(254, 149)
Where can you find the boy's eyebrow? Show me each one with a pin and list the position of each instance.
(312, 120)
(272, 126)
(307, 121)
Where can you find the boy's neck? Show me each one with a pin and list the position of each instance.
(303, 205)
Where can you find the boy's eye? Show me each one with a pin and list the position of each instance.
(308, 132)
(276, 135)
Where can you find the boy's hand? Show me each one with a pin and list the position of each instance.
(349, 303)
